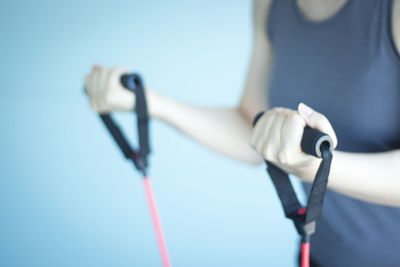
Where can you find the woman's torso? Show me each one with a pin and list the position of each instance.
(346, 67)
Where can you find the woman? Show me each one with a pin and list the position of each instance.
(340, 57)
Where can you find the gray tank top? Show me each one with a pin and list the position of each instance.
(346, 67)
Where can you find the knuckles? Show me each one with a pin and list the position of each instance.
(104, 89)
(276, 150)
(295, 119)
(282, 156)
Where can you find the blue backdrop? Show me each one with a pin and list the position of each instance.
(68, 198)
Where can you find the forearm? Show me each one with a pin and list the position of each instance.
(373, 177)
(224, 130)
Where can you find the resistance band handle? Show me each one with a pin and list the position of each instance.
(313, 141)
(134, 83)
(117, 134)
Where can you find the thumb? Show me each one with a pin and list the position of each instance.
(317, 121)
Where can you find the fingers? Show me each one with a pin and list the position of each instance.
(91, 89)
(105, 90)
(117, 97)
(101, 87)
(277, 137)
(261, 131)
(114, 76)
(267, 135)
(97, 83)
(274, 142)
(317, 121)
(291, 135)
(278, 133)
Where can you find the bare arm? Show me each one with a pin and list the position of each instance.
(224, 130)
(372, 177)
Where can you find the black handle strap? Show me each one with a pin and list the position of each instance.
(318, 188)
(317, 144)
(118, 136)
(134, 83)
(139, 156)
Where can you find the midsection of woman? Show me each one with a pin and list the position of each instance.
(346, 67)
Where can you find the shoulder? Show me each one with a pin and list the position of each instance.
(260, 14)
(396, 23)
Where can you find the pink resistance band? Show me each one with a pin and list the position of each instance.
(138, 156)
(162, 245)
(305, 254)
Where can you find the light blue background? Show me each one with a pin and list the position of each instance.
(67, 197)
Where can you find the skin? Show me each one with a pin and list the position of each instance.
(277, 135)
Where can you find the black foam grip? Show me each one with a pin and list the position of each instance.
(131, 81)
(310, 143)
(311, 140)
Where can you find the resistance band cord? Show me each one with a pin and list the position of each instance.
(133, 82)
(319, 145)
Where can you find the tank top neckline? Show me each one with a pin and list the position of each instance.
(336, 16)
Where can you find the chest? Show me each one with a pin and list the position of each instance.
(317, 11)
(346, 69)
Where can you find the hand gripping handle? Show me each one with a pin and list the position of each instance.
(313, 141)
(133, 82)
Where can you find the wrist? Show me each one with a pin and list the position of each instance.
(154, 103)
(307, 171)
